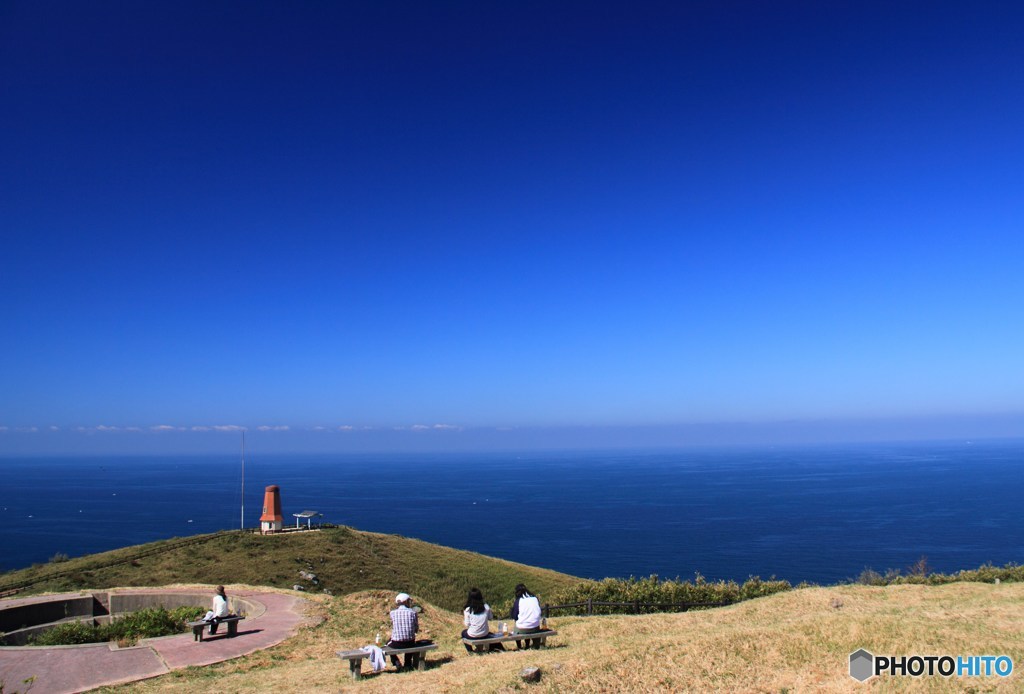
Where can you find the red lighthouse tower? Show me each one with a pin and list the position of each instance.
(271, 521)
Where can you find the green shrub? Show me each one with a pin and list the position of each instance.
(655, 595)
(987, 573)
(152, 622)
(143, 624)
(183, 615)
(67, 634)
(754, 587)
(870, 577)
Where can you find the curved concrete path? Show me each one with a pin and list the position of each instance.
(66, 669)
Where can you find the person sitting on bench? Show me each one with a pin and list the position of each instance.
(475, 617)
(404, 625)
(527, 615)
(219, 611)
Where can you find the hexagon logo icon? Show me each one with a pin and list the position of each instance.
(862, 665)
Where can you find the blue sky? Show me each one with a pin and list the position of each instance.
(482, 224)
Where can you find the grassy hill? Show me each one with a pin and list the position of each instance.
(794, 641)
(798, 640)
(344, 560)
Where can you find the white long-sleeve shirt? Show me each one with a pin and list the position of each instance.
(529, 612)
(220, 606)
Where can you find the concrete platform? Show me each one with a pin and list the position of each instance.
(66, 669)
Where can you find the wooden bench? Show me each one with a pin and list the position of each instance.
(483, 645)
(232, 622)
(355, 658)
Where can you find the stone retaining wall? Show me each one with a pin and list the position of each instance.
(30, 616)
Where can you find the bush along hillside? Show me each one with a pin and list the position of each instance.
(918, 574)
(653, 594)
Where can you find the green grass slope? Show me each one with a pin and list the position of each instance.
(344, 560)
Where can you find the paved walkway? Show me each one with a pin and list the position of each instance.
(65, 669)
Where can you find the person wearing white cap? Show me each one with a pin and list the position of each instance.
(404, 625)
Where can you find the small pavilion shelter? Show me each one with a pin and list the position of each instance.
(308, 516)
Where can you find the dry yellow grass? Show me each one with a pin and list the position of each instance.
(797, 641)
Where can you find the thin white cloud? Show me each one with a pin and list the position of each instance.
(3, 428)
(227, 427)
(346, 427)
(99, 428)
(132, 429)
(265, 427)
(53, 427)
(166, 427)
(200, 428)
(27, 430)
(435, 427)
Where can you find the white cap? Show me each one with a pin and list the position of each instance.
(401, 597)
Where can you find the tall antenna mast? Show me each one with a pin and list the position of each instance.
(243, 479)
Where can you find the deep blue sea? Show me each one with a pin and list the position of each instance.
(820, 514)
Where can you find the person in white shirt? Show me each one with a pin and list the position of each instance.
(220, 609)
(475, 618)
(526, 612)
